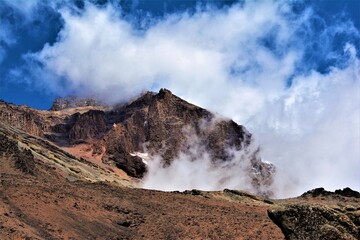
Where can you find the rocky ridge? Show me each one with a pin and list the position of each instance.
(157, 124)
(45, 205)
(26, 150)
(319, 214)
(59, 169)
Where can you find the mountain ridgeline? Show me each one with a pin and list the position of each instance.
(156, 124)
(74, 172)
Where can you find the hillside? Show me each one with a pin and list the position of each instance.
(74, 172)
(155, 124)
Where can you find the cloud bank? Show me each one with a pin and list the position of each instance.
(278, 71)
(195, 169)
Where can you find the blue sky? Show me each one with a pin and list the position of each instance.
(288, 70)
(28, 25)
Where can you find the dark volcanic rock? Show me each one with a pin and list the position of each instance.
(346, 192)
(315, 221)
(317, 192)
(24, 161)
(23, 158)
(160, 124)
(305, 221)
(22, 117)
(7, 146)
(86, 126)
(132, 165)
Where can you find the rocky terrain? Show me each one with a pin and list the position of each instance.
(155, 124)
(45, 205)
(319, 214)
(72, 173)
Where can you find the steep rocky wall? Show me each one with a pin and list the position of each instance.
(23, 158)
(89, 125)
(22, 118)
(164, 125)
(160, 124)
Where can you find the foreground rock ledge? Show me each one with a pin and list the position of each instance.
(338, 218)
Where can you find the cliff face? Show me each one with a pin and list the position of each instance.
(86, 126)
(158, 124)
(22, 117)
(23, 158)
(161, 124)
(61, 168)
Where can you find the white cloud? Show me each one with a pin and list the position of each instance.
(313, 131)
(194, 168)
(179, 51)
(218, 59)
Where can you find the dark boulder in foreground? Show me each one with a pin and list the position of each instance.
(318, 221)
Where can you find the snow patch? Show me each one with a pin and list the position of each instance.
(144, 156)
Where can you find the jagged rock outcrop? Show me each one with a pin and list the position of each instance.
(38, 144)
(160, 124)
(27, 152)
(163, 124)
(23, 158)
(87, 126)
(22, 117)
(318, 221)
(73, 102)
(346, 192)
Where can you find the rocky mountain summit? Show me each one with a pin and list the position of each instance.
(73, 172)
(156, 124)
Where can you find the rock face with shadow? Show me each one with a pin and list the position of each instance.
(22, 117)
(157, 124)
(23, 159)
(50, 192)
(310, 218)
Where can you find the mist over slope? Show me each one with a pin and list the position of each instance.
(158, 141)
(287, 73)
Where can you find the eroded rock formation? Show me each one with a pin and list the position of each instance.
(310, 218)
(159, 124)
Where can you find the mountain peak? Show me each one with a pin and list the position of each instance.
(165, 92)
(39, 150)
(158, 125)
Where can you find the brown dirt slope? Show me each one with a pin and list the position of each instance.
(62, 162)
(45, 205)
(46, 192)
(39, 201)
